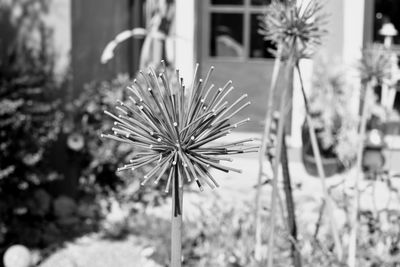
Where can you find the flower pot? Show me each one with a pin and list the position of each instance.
(391, 127)
(330, 163)
(331, 166)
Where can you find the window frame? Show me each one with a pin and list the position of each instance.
(369, 17)
(246, 9)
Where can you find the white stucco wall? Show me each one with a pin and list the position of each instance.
(185, 34)
(353, 30)
(353, 44)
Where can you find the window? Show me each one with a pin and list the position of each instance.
(226, 38)
(229, 40)
(227, 2)
(233, 30)
(386, 11)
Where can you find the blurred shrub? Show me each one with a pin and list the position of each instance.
(83, 126)
(100, 159)
(330, 102)
(29, 121)
(223, 237)
(218, 234)
(379, 238)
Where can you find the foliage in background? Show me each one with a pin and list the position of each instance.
(220, 234)
(100, 159)
(95, 160)
(379, 238)
(29, 120)
(330, 103)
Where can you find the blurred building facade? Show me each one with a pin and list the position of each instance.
(221, 33)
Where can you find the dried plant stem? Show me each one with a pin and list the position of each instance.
(176, 223)
(319, 220)
(351, 261)
(321, 172)
(276, 163)
(291, 216)
(262, 158)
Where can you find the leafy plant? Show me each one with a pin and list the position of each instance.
(157, 35)
(29, 121)
(220, 234)
(330, 103)
(100, 159)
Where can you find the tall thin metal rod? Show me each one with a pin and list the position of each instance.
(321, 171)
(291, 214)
(261, 156)
(276, 164)
(176, 222)
(351, 261)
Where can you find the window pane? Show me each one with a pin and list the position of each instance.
(226, 38)
(259, 48)
(386, 11)
(227, 2)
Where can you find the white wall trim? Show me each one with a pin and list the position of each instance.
(185, 36)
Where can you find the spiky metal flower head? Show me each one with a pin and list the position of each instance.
(375, 64)
(170, 125)
(297, 28)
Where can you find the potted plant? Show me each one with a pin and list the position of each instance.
(335, 126)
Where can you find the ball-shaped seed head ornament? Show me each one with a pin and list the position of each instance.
(174, 127)
(375, 64)
(297, 27)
